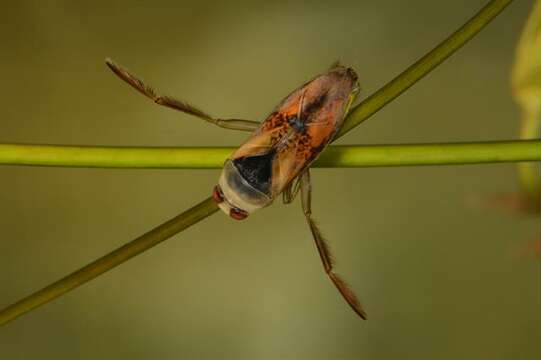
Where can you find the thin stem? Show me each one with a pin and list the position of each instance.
(214, 157)
(152, 238)
(113, 157)
(206, 208)
(423, 66)
(431, 154)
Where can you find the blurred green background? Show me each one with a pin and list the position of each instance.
(437, 273)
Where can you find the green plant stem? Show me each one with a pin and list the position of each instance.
(423, 66)
(204, 209)
(214, 157)
(111, 260)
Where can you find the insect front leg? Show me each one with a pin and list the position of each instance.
(291, 190)
(170, 102)
(323, 248)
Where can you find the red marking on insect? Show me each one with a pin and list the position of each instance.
(275, 159)
(217, 195)
(238, 214)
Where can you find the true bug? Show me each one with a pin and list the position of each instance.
(276, 157)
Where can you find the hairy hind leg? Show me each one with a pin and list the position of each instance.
(323, 248)
(170, 102)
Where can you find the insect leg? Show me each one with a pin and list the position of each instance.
(323, 248)
(291, 191)
(170, 102)
(351, 99)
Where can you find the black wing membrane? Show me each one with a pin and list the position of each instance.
(256, 170)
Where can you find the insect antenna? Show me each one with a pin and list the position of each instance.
(335, 64)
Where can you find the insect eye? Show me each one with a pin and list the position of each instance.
(217, 194)
(238, 214)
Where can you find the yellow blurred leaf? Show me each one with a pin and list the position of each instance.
(526, 75)
(526, 88)
(526, 85)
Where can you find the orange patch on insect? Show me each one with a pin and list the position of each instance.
(294, 134)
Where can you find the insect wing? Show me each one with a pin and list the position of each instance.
(302, 125)
(302, 149)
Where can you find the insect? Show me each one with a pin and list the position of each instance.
(276, 158)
